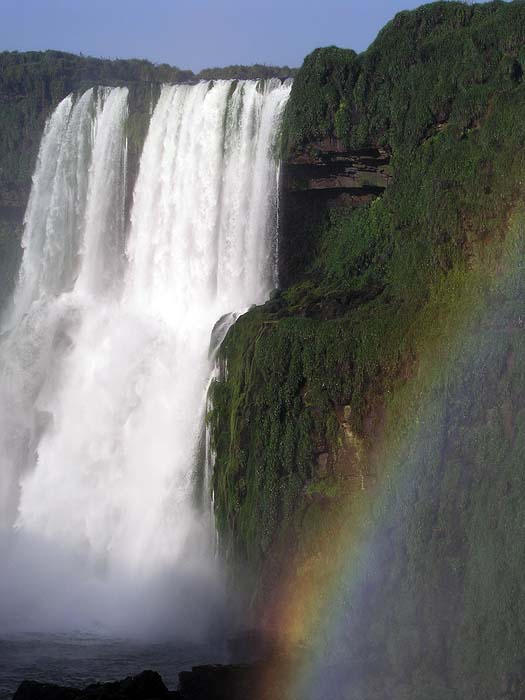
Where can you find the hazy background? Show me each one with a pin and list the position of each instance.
(195, 33)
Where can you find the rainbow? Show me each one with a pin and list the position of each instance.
(315, 605)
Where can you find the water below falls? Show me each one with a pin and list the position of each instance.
(104, 353)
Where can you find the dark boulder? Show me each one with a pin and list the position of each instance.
(33, 690)
(147, 685)
(238, 682)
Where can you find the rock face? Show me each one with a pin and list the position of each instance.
(33, 690)
(264, 680)
(327, 165)
(219, 683)
(514, 683)
(317, 177)
(11, 223)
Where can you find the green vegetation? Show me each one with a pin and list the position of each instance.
(408, 321)
(318, 95)
(454, 53)
(257, 71)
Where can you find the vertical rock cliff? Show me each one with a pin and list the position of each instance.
(368, 421)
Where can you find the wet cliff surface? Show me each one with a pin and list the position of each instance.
(369, 419)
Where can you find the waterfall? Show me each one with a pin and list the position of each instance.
(104, 361)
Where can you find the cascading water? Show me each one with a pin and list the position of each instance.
(104, 359)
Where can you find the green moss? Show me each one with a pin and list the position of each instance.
(324, 488)
(410, 314)
(444, 49)
(318, 94)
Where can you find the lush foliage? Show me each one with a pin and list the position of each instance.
(398, 357)
(238, 72)
(453, 52)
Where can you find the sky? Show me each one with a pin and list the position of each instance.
(195, 33)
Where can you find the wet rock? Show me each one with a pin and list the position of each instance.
(32, 690)
(147, 685)
(219, 683)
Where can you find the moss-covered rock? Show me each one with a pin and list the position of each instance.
(426, 66)
(372, 411)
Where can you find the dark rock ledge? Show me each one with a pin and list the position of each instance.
(327, 165)
(147, 685)
(232, 682)
(259, 681)
(316, 178)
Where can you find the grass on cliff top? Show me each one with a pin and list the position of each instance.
(427, 66)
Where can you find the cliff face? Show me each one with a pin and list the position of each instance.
(369, 419)
(316, 178)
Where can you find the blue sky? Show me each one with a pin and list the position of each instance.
(195, 33)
